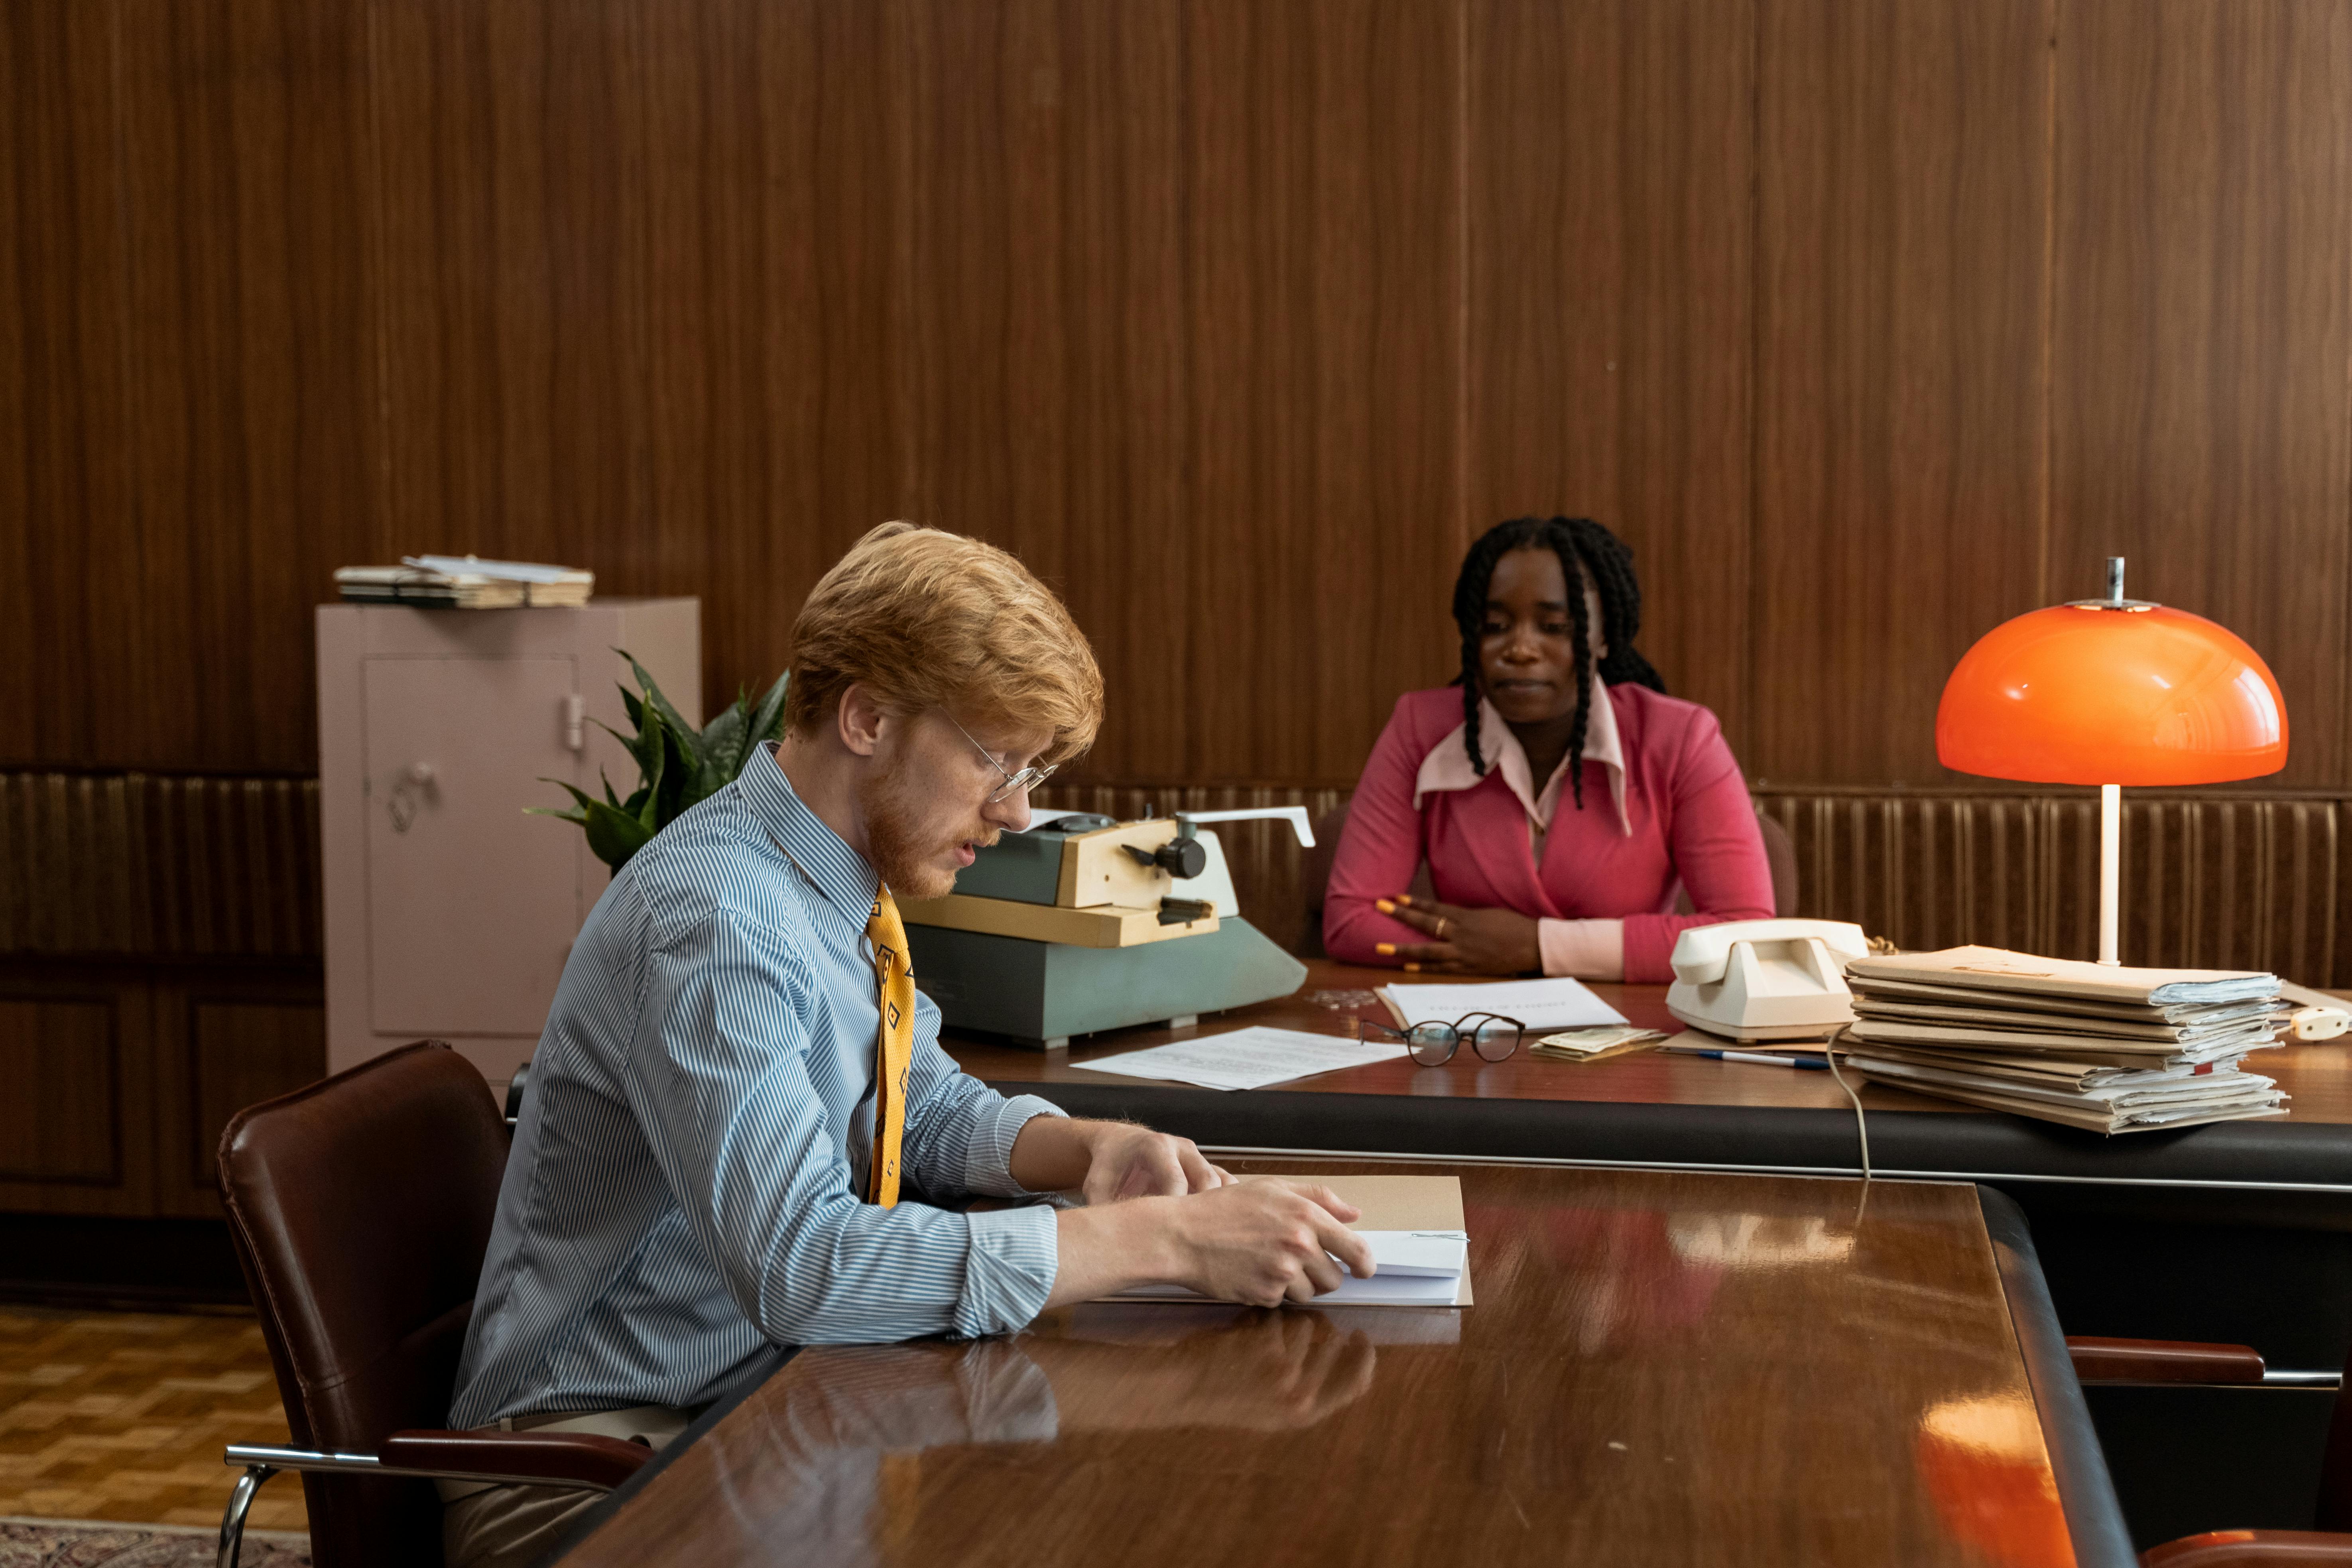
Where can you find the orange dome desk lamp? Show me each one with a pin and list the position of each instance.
(2112, 692)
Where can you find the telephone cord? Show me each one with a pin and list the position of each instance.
(1861, 1122)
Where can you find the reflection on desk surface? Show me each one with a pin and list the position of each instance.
(1663, 1368)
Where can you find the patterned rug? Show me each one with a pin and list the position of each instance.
(90, 1543)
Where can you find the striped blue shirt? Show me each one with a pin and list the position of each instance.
(683, 1185)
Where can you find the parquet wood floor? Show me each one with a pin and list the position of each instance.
(123, 1416)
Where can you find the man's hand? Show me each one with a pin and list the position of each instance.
(1108, 1161)
(1131, 1161)
(1468, 941)
(1263, 1243)
(1260, 1242)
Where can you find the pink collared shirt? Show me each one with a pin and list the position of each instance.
(1664, 807)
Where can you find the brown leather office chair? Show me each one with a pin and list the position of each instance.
(360, 1208)
(2171, 1361)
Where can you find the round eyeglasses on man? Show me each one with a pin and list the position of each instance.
(1028, 778)
(1433, 1045)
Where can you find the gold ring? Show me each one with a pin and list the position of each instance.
(1441, 923)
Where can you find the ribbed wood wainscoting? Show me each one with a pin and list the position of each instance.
(159, 971)
(2210, 879)
(149, 866)
(160, 934)
(155, 864)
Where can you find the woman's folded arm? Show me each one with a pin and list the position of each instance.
(1379, 851)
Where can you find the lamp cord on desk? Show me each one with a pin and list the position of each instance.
(1861, 1122)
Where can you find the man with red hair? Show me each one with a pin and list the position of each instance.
(742, 1130)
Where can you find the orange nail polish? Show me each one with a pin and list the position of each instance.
(1385, 949)
(1404, 897)
(1413, 969)
(1383, 905)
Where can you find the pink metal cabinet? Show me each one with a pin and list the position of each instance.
(449, 912)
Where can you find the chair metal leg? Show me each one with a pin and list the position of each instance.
(232, 1530)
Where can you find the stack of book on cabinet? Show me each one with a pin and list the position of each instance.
(2096, 1046)
(466, 583)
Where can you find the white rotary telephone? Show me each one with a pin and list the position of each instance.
(1766, 980)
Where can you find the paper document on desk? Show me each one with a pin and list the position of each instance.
(1542, 1005)
(1412, 1268)
(1416, 1220)
(1245, 1058)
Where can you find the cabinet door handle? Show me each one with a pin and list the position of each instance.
(575, 722)
(408, 793)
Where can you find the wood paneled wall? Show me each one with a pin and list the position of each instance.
(1870, 322)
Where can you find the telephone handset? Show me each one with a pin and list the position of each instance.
(1766, 980)
(1701, 952)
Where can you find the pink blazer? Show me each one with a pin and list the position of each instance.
(1688, 808)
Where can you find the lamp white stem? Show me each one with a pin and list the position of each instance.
(2111, 816)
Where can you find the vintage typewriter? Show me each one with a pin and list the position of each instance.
(1082, 924)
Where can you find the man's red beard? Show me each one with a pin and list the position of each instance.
(906, 864)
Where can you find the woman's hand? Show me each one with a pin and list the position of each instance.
(1468, 941)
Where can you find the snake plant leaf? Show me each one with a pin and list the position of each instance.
(736, 734)
(614, 836)
(635, 743)
(687, 733)
(577, 813)
(653, 759)
(674, 793)
(767, 720)
(678, 765)
(722, 749)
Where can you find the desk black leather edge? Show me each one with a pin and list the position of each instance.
(2293, 1174)
(2095, 1516)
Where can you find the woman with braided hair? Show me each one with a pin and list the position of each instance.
(1559, 797)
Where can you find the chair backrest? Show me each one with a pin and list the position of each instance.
(2334, 1509)
(1780, 853)
(360, 1208)
(1315, 877)
(1314, 873)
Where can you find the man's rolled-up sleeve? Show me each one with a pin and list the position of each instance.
(1013, 1256)
(959, 1132)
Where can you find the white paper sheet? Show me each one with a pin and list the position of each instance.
(1245, 1058)
(1540, 1004)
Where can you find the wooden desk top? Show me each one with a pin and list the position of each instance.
(2320, 1078)
(1663, 1368)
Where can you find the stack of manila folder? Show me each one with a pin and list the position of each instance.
(2092, 1046)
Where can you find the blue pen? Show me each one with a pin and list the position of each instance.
(1816, 1063)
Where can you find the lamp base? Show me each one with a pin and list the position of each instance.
(2111, 816)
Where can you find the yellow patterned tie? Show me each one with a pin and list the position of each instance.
(894, 1047)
